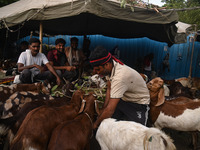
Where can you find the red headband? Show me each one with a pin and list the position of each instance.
(104, 60)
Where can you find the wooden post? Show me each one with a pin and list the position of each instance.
(195, 34)
(41, 36)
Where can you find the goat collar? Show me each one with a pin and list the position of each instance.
(82, 106)
(90, 122)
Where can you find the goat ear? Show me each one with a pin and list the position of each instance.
(161, 97)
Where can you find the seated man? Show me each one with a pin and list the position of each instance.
(30, 65)
(74, 56)
(127, 96)
(58, 60)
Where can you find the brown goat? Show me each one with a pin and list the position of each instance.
(11, 125)
(36, 128)
(173, 115)
(75, 134)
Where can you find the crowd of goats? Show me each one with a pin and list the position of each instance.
(31, 118)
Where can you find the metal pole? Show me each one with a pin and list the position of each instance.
(41, 37)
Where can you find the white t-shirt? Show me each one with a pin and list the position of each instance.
(128, 84)
(27, 59)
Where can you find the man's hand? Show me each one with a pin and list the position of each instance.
(58, 81)
(39, 67)
(70, 68)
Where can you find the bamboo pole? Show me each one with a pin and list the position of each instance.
(41, 37)
(195, 34)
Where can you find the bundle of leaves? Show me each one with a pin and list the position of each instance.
(88, 86)
(63, 90)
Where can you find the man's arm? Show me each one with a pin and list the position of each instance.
(54, 72)
(107, 94)
(68, 68)
(107, 111)
(21, 67)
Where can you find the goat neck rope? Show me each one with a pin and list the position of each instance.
(90, 122)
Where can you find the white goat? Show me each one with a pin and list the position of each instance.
(129, 135)
(98, 81)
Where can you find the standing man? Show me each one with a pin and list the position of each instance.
(58, 60)
(127, 96)
(30, 65)
(148, 65)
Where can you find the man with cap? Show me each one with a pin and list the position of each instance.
(127, 96)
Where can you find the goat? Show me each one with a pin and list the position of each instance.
(17, 100)
(187, 88)
(36, 128)
(177, 89)
(6, 91)
(7, 64)
(178, 116)
(17, 118)
(75, 134)
(129, 135)
(98, 81)
(10, 126)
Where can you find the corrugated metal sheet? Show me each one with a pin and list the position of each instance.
(132, 52)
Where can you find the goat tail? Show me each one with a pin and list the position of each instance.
(155, 139)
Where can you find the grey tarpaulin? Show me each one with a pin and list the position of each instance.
(79, 17)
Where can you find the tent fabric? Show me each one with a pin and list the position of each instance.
(80, 17)
(183, 27)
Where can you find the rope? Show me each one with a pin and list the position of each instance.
(10, 29)
(22, 24)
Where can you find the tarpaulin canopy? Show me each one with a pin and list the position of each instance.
(80, 17)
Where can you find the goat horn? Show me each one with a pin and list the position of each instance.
(65, 80)
(82, 106)
(94, 95)
(97, 107)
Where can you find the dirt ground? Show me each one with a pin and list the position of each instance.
(182, 140)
